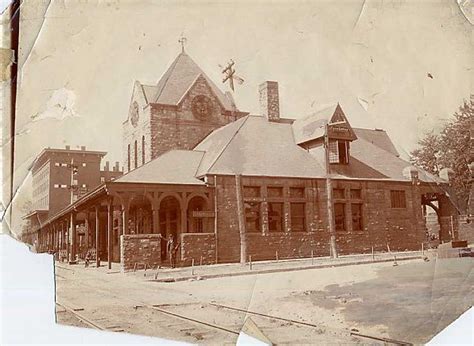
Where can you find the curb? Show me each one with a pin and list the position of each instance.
(277, 270)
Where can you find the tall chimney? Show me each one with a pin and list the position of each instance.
(68, 147)
(106, 167)
(269, 100)
(117, 166)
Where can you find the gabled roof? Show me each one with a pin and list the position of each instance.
(173, 167)
(253, 146)
(312, 127)
(177, 80)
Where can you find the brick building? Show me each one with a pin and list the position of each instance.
(61, 176)
(228, 185)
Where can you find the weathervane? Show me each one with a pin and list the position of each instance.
(183, 41)
(230, 75)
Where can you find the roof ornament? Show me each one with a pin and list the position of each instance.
(183, 41)
(229, 73)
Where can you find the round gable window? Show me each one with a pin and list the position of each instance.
(201, 106)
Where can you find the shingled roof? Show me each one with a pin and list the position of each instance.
(173, 167)
(177, 80)
(253, 146)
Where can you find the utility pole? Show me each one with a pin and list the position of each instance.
(330, 206)
(241, 218)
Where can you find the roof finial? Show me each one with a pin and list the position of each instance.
(183, 41)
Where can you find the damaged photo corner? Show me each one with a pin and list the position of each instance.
(237, 172)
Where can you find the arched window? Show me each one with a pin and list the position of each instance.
(128, 158)
(143, 150)
(136, 154)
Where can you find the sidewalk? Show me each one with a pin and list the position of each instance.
(263, 267)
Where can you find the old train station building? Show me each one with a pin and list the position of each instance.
(228, 185)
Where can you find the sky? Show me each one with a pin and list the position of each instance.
(398, 65)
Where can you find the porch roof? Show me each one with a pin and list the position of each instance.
(173, 167)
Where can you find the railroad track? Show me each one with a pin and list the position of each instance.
(78, 312)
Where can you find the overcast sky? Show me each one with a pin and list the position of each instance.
(77, 78)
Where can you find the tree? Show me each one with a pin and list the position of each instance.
(451, 148)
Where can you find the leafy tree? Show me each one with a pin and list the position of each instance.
(451, 148)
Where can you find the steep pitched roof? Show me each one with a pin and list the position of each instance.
(177, 80)
(254, 146)
(173, 167)
(312, 126)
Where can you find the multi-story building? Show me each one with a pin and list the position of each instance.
(61, 176)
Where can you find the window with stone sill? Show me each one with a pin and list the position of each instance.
(297, 192)
(398, 199)
(298, 217)
(356, 210)
(274, 191)
(252, 216)
(338, 193)
(275, 217)
(251, 191)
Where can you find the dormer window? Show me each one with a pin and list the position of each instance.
(339, 152)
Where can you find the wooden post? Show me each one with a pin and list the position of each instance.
(250, 262)
(73, 252)
(422, 250)
(241, 218)
(110, 215)
(192, 266)
(312, 257)
(373, 255)
(276, 255)
(331, 221)
(200, 261)
(97, 238)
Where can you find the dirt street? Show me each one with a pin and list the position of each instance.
(409, 302)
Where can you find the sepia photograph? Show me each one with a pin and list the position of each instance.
(244, 172)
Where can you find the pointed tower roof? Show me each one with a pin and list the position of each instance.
(313, 126)
(177, 80)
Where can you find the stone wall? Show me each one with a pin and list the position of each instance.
(198, 246)
(139, 249)
(399, 228)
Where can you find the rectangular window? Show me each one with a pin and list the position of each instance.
(84, 164)
(297, 192)
(275, 192)
(343, 148)
(356, 216)
(64, 165)
(128, 158)
(56, 186)
(398, 199)
(84, 185)
(63, 186)
(356, 194)
(338, 193)
(252, 216)
(143, 150)
(339, 216)
(333, 152)
(298, 219)
(251, 191)
(339, 152)
(102, 179)
(275, 217)
(57, 164)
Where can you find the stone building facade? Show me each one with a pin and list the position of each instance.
(228, 186)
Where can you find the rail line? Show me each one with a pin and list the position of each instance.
(157, 307)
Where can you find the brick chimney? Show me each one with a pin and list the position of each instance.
(83, 147)
(116, 167)
(269, 100)
(106, 167)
